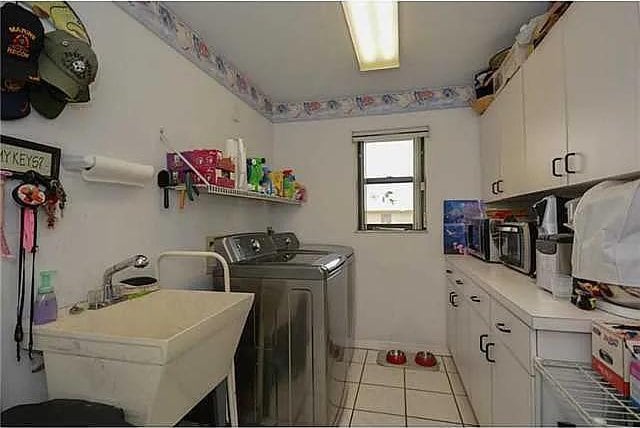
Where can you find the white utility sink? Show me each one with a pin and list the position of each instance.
(155, 356)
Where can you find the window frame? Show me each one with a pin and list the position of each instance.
(419, 137)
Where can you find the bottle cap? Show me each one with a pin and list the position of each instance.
(45, 282)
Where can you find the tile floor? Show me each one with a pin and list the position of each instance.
(387, 396)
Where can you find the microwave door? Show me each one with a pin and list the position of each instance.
(511, 249)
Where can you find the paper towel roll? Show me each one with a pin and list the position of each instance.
(237, 150)
(110, 170)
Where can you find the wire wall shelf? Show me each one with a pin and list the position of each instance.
(237, 193)
(597, 402)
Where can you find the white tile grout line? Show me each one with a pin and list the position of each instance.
(455, 399)
(355, 400)
(404, 385)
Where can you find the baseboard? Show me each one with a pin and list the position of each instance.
(438, 349)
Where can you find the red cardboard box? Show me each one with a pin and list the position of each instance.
(610, 352)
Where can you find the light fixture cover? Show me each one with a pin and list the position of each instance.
(373, 26)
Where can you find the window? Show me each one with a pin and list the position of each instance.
(391, 183)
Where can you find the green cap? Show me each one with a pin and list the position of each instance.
(45, 282)
(68, 63)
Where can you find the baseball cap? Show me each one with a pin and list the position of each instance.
(22, 41)
(14, 100)
(69, 64)
(47, 99)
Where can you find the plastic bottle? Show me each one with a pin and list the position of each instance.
(46, 305)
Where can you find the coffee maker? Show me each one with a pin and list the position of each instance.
(553, 247)
(551, 215)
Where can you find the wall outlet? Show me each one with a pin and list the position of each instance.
(211, 263)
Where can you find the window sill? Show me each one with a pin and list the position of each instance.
(392, 232)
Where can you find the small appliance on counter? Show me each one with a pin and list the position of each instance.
(518, 245)
(606, 256)
(551, 215)
(483, 239)
(553, 264)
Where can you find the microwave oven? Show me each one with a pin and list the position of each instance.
(483, 239)
(518, 246)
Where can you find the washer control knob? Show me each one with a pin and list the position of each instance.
(255, 246)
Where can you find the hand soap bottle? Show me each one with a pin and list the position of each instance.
(46, 306)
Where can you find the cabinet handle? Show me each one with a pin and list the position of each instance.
(554, 162)
(486, 352)
(501, 327)
(566, 163)
(475, 299)
(449, 271)
(483, 347)
(498, 186)
(493, 187)
(459, 281)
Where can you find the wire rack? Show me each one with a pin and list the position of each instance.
(597, 402)
(246, 194)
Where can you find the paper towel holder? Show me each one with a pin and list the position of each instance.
(78, 162)
(86, 163)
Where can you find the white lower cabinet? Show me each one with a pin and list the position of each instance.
(478, 382)
(452, 316)
(498, 385)
(512, 389)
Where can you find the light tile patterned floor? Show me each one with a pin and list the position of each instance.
(387, 396)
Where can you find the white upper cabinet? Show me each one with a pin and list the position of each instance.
(490, 152)
(544, 113)
(512, 142)
(601, 48)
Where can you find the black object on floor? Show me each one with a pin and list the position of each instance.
(58, 413)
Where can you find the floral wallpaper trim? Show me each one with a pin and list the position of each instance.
(385, 103)
(162, 21)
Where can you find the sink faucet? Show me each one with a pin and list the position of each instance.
(137, 261)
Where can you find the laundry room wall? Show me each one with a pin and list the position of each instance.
(400, 286)
(142, 84)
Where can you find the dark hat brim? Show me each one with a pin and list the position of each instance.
(15, 104)
(47, 100)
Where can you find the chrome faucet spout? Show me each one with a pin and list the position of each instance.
(137, 261)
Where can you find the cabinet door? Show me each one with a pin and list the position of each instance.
(490, 150)
(512, 389)
(452, 325)
(512, 144)
(479, 384)
(544, 112)
(462, 338)
(601, 48)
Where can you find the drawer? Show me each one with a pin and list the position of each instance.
(477, 298)
(513, 333)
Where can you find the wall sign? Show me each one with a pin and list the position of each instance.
(19, 156)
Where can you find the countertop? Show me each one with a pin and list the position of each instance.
(519, 294)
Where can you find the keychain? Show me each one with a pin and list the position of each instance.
(29, 196)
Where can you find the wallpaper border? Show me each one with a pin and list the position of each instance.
(163, 22)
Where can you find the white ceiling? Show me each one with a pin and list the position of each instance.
(297, 51)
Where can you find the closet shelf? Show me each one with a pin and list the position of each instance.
(597, 402)
(236, 193)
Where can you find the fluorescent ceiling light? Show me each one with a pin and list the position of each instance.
(373, 26)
